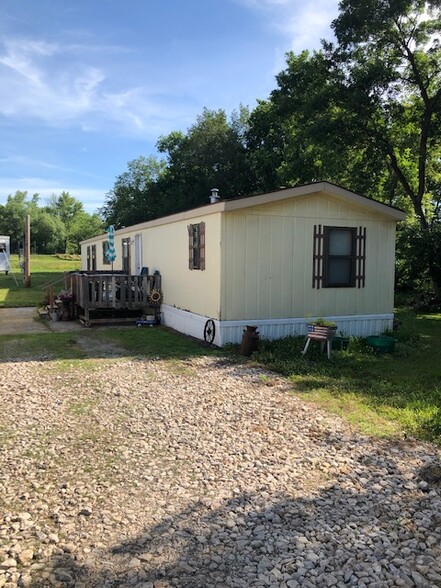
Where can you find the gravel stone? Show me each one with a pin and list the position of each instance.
(195, 473)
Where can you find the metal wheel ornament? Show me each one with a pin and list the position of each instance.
(155, 296)
(209, 331)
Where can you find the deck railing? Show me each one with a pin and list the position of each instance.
(94, 291)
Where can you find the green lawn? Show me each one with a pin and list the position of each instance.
(397, 393)
(45, 269)
(391, 394)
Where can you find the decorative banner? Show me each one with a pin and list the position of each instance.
(111, 253)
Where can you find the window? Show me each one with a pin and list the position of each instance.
(105, 249)
(88, 258)
(339, 257)
(196, 246)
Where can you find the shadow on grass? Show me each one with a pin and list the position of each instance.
(352, 528)
(99, 343)
(404, 386)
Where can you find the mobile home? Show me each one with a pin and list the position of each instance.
(273, 260)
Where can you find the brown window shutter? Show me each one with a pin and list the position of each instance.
(318, 257)
(190, 247)
(360, 257)
(202, 246)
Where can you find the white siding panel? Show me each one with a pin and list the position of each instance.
(278, 261)
(232, 331)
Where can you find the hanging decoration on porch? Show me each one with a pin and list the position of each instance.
(111, 253)
(155, 296)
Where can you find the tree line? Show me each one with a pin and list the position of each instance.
(363, 112)
(56, 227)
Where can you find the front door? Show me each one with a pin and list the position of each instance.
(138, 254)
(125, 246)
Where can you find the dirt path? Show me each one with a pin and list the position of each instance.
(25, 320)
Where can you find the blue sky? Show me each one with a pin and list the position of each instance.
(88, 85)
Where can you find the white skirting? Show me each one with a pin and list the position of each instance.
(231, 331)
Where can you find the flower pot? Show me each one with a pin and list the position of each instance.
(321, 332)
(382, 343)
(55, 316)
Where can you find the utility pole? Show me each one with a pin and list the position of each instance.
(27, 252)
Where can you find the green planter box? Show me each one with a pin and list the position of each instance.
(381, 344)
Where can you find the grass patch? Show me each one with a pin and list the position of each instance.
(45, 269)
(380, 394)
(49, 345)
(82, 407)
(155, 342)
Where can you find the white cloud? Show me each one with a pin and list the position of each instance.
(302, 24)
(53, 84)
(30, 162)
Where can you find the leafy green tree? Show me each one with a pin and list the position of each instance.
(301, 133)
(364, 113)
(135, 196)
(48, 232)
(212, 154)
(388, 59)
(83, 226)
(13, 216)
(65, 207)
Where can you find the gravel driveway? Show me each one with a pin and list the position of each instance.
(202, 473)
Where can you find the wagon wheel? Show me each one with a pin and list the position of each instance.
(209, 331)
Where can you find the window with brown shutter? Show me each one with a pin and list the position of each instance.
(196, 246)
(339, 257)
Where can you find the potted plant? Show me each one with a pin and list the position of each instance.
(321, 329)
(66, 298)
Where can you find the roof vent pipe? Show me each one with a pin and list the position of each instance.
(214, 196)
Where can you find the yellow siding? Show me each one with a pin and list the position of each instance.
(269, 257)
(165, 248)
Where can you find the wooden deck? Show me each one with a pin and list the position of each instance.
(98, 296)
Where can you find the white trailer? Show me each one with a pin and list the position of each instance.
(5, 265)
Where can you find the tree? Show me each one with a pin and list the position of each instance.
(48, 232)
(82, 227)
(135, 196)
(364, 113)
(389, 59)
(65, 206)
(13, 215)
(303, 133)
(56, 228)
(212, 154)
